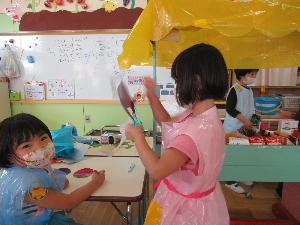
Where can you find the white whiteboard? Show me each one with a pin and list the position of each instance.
(88, 60)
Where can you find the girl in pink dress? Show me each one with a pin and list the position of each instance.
(193, 143)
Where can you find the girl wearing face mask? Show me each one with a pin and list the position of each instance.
(30, 190)
(239, 109)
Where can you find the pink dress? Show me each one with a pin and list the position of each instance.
(192, 195)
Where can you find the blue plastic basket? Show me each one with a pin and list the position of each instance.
(267, 105)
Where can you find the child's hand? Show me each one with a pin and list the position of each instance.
(98, 177)
(149, 85)
(132, 132)
(247, 123)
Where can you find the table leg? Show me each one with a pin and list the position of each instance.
(120, 212)
(129, 214)
(140, 212)
(145, 197)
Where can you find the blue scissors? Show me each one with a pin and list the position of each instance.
(127, 102)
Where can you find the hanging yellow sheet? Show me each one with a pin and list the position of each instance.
(250, 34)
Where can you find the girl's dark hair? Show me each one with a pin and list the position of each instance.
(239, 73)
(200, 73)
(16, 130)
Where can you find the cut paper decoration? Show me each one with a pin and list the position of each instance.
(58, 2)
(132, 4)
(35, 3)
(126, 2)
(109, 5)
(139, 96)
(34, 90)
(54, 3)
(13, 11)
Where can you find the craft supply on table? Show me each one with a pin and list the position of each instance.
(131, 167)
(65, 170)
(85, 172)
(110, 138)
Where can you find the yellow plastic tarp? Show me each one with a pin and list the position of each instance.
(249, 33)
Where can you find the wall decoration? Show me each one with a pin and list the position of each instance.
(77, 5)
(132, 4)
(126, 2)
(55, 5)
(61, 89)
(139, 96)
(13, 11)
(135, 80)
(109, 5)
(34, 90)
(121, 18)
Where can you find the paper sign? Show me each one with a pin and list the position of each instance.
(34, 90)
(60, 89)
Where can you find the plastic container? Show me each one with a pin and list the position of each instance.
(267, 105)
(14, 96)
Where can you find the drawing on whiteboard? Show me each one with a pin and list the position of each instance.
(60, 89)
(90, 60)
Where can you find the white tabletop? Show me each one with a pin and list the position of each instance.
(127, 149)
(119, 184)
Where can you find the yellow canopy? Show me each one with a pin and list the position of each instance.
(249, 33)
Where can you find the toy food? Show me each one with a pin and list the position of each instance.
(273, 140)
(256, 140)
(238, 141)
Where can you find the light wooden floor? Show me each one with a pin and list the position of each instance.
(259, 207)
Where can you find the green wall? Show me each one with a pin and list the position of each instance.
(7, 25)
(100, 114)
(255, 163)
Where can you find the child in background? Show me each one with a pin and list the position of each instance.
(193, 143)
(239, 110)
(30, 190)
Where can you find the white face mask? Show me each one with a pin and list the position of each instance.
(249, 80)
(40, 158)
